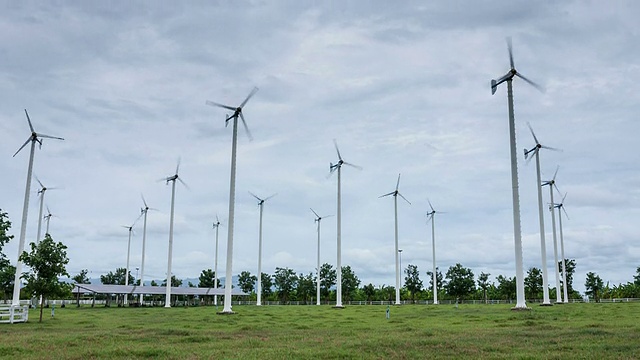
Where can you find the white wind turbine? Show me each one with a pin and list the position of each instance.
(48, 218)
(216, 225)
(259, 280)
(543, 248)
(332, 168)
(126, 276)
(552, 183)
(33, 138)
(564, 265)
(431, 215)
(317, 220)
(237, 112)
(521, 303)
(395, 194)
(143, 211)
(172, 178)
(41, 193)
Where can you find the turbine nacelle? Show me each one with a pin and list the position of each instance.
(512, 73)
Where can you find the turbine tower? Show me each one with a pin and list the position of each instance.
(259, 286)
(564, 262)
(431, 215)
(552, 183)
(521, 303)
(143, 211)
(317, 220)
(41, 192)
(126, 276)
(543, 248)
(33, 138)
(216, 225)
(173, 178)
(395, 194)
(237, 112)
(333, 167)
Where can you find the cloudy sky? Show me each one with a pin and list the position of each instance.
(403, 89)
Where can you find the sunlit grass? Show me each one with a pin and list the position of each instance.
(413, 331)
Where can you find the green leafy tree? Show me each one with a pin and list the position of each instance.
(412, 281)
(369, 291)
(483, 283)
(306, 287)
(7, 271)
(267, 285)
(571, 269)
(47, 261)
(506, 287)
(636, 277)
(533, 283)
(285, 280)
(460, 281)
(327, 280)
(81, 278)
(207, 279)
(116, 278)
(350, 283)
(153, 283)
(175, 282)
(247, 282)
(439, 278)
(594, 286)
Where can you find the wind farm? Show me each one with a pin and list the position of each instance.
(402, 91)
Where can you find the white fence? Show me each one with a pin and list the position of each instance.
(13, 314)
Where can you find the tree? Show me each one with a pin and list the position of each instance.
(81, 278)
(571, 269)
(506, 287)
(207, 279)
(460, 281)
(267, 285)
(439, 278)
(306, 287)
(483, 283)
(593, 286)
(7, 271)
(327, 280)
(175, 282)
(412, 281)
(369, 291)
(533, 283)
(285, 280)
(116, 278)
(247, 282)
(350, 283)
(47, 261)
(636, 277)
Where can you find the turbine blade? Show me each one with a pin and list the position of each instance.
(398, 182)
(212, 103)
(48, 137)
(38, 180)
(29, 120)
(391, 193)
(565, 213)
(564, 197)
(510, 48)
(555, 174)
(269, 197)
(335, 143)
(533, 134)
(255, 90)
(494, 86)
(178, 166)
(183, 183)
(352, 165)
(540, 88)
(550, 148)
(255, 196)
(431, 206)
(144, 201)
(405, 199)
(23, 145)
(246, 128)
(535, 152)
(315, 213)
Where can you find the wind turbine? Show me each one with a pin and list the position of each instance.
(33, 138)
(48, 217)
(317, 220)
(172, 178)
(143, 211)
(552, 183)
(126, 276)
(395, 194)
(41, 192)
(216, 225)
(520, 304)
(333, 167)
(431, 215)
(237, 112)
(259, 287)
(564, 266)
(543, 248)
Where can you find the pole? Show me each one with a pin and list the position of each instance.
(433, 249)
(564, 261)
(259, 288)
(555, 246)
(126, 276)
(40, 216)
(215, 268)
(232, 199)
(395, 206)
(543, 246)
(144, 241)
(318, 268)
(339, 263)
(167, 298)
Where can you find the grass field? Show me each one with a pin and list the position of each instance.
(359, 332)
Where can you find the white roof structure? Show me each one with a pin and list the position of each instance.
(149, 290)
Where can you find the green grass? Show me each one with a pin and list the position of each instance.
(586, 331)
